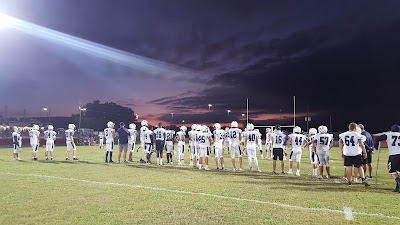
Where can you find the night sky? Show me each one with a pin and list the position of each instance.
(340, 59)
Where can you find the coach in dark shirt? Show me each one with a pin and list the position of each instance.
(369, 147)
(123, 134)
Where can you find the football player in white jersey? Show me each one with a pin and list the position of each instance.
(251, 143)
(109, 133)
(226, 139)
(191, 134)
(322, 145)
(148, 143)
(352, 149)
(197, 143)
(219, 136)
(235, 135)
(131, 140)
(69, 139)
(296, 141)
(17, 143)
(180, 138)
(313, 156)
(101, 139)
(393, 140)
(203, 136)
(244, 133)
(278, 139)
(161, 135)
(259, 143)
(169, 144)
(268, 143)
(34, 137)
(50, 136)
(143, 129)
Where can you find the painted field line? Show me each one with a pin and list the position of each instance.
(345, 211)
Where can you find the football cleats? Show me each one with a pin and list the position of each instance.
(234, 124)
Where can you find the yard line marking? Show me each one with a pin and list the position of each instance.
(204, 194)
(348, 213)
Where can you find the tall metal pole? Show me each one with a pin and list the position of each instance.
(294, 110)
(247, 111)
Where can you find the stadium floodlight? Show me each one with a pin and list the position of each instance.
(243, 115)
(48, 112)
(209, 107)
(229, 111)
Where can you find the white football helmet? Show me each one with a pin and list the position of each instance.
(183, 128)
(234, 124)
(358, 129)
(144, 123)
(226, 129)
(71, 126)
(217, 126)
(16, 129)
(50, 127)
(35, 127)
(204, 128)
(256, 130)
(198, 127)
(110, 124)
(312, 131)
(322, 129)
(132, 126)
(268, 130)
(249, 126)
(297, 129)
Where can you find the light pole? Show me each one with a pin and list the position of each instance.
(48, 112)
(80, 117)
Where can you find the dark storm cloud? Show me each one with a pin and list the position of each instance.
(328, 76)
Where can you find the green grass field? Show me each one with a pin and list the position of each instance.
(90, 191)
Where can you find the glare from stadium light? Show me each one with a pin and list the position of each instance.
(4, 20)
(153, 68)
(45, 109)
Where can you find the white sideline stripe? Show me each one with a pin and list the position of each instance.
(204, 194)
(348, 213)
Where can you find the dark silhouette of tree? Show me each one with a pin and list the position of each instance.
(98, 114)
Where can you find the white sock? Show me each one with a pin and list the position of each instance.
(160, 161)
(256, 162)
(298, 171)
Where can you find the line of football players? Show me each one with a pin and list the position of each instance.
(49, 135)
